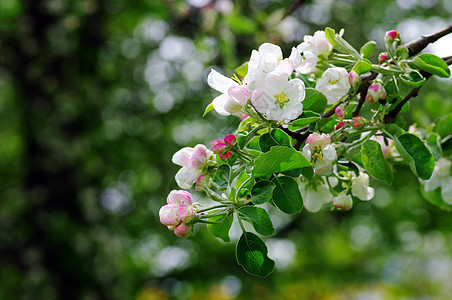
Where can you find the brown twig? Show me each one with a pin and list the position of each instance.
(416, 46)
(292, 8)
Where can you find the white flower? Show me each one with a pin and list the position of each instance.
(343, 201)
(279, 99)
(361, 188)
(311, 49)
(334, 84)
(267, 59)
(315, 196)
(193, 162)
(234, 96)
(319, 152)
(441, 177)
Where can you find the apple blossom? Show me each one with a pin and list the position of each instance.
(361, 188)
(442, 178)
(193, 162)
(383, 57)
(339, 112)
(353, 78)
(178, 212)
(218, 146)
(314, 196)
(333, 84)
(343, 201)
(358, 121)
(311, 49)
(225, 156)
(375, 92)
(319, 152)
(230, 139)
(391, 36)
(234, 96)
(279, 99)
(339, 125)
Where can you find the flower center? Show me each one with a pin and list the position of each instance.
(333, 82)
(317, 154)
(281, 99)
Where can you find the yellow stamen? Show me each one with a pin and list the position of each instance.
(281, 99)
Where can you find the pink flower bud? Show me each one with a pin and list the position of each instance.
(230, 139)
(177, 196)
(218, 146)
(383, 57)
(226, 156)
(339, 125)
(169, 215)
(358, 122)
(353, 78)
(315, 139)
(339, 112)
(186, 212)
(376, 92)
(182, 230)
(343, 202)
(391, 36)
(239, 93)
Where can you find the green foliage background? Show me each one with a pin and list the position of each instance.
(96, 96)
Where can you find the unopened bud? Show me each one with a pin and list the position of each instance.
(353, 78)
(218, 146)
(339, 125)
(339, 112)
(391, 36)
(358, 121)
(315, 139)
(226, 156)
(383, 57)
(343, 202)
(376, 92)
(182, 230)
(230, 139)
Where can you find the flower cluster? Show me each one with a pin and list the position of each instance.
(178, 213)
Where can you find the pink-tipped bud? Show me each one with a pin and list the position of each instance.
(353, 78)
(358, 122)
(182, 230)
(343, 202)
(315, 139)
(218, 146)
(375, 92)
(226, 156)
(339, 125)
(383, 57)
(339, 112)
(391, 36)
(230, 139)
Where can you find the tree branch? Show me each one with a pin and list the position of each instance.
(416, 46)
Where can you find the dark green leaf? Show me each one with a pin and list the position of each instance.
(374, 161)
(251, 253)
(444, 125)
(286, 195)
(259, 218)
(277, 160)
(262, 192)
(413, 78)
(402, 53)
(221, 230)
(416, 154)
(432, 64)
(276, 137)
(314, 101)
(221, 177)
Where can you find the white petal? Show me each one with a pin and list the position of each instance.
(271, 55)
(433, 183)
(260, 100)
(220, 82)
(232, 106)
(307, 152)
(329, 153)
(186, 177)
(219, 103)
(295, 57)
(446, 190)
(183, 157)
(311, 201)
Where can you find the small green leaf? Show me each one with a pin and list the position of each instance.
(286, 195)
(374, 161)
(242, 70)
(394, 130)
(220, 230)
(251, 254)
(314, 101)
(362, 66)
(277, 160)
(413, 78)
(326, 125)
(259, 218)
(432, 64)
(300, 123)
(254, 143)
(262, 192)
(392, 90)
(276, 137)
(416, 154)
(221, 177)
(340, 44)
(444, 125)
(367, 49)
(402, 53)
(208, 109)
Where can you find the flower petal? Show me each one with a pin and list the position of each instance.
(183, 157)
(186, 177)
(219, 103)
(220, 82)
(169, 215)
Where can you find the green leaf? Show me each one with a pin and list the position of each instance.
(221, 177)
(416, 154)
(259, 218)
(221, 230)
(242, 70)
(392, 90)
(434, 197)
(208, 109)
(251, 254)
(402, 53)
(432, 64)
(314, 101)
(434, 144)
(362, 66)
(262, 192)
(367, 49)
(374, 161)
(277, 160)
(300, 123)
(254, 143)
(444, 125)
(286, 195)
(413, 78)
(276, 137)
(394, 129)
(326, 124)
(340, 44)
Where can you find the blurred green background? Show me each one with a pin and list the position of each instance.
(96, 96)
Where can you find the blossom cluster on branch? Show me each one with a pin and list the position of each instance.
(302, 141)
